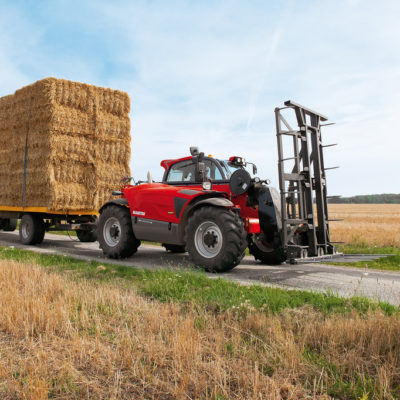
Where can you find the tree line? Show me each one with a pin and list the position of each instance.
(386, 198)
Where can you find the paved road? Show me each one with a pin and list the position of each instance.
(344, 281)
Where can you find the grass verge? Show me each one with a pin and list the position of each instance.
(389, 263)
(182, 286)
(365, 248)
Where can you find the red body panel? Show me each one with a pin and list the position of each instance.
(156, 200)
(239, 201)
(252, 225)
(167, 163)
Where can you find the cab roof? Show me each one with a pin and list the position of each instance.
(166, 164)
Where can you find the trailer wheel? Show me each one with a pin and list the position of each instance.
(174, 248)
(274, 257)
(86, 236)
(215, 239)
(115, 233)
(31, 229)
(9, 224)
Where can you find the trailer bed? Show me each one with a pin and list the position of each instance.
(44, 210)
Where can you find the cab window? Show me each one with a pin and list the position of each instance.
(212, 171)
(185, 171)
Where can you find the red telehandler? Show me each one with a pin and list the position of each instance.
(214, 209)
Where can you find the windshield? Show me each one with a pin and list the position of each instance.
(185, 171)
(216, 170)
(229, 168)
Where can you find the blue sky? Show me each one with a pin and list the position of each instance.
(210, 73)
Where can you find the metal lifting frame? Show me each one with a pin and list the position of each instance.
(306, 184)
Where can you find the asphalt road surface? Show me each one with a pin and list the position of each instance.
(344, 281)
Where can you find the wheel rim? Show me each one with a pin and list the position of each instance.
(263, 246)
(208, 239)
(25, 230)
(112, 232)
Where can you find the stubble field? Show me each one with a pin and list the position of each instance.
(371, 224)
(63, 338)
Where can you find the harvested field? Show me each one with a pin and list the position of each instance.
(372, 224)
(77, 141)
(72, 338)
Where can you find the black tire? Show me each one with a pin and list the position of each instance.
(86, 236)
(215, 239)
(31, 229)
(174, 248)
(274, 257)
(9, 224)
(115, 233)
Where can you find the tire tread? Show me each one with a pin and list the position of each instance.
(235, 238)
(275, 257)
(38, 229)
(128, 244)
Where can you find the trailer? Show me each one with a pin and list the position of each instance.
(36, 221)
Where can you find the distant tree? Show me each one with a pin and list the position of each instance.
(386, 198)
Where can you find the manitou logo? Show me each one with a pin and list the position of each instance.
(142, 213)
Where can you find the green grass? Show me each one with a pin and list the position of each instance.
(364, 248)
(339, 386)
(390, 263)
(195, 287)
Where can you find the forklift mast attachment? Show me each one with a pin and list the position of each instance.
(305, 222)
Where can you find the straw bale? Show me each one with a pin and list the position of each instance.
(78, 146)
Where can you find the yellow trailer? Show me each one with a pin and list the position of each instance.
(35, 221)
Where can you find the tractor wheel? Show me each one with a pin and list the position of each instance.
(274, 257)
(31, 229)
(174, 248)
(115, 233)
(9, 224)
(215, 239)
(86, 236)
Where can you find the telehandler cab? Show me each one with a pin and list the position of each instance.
(214, 209)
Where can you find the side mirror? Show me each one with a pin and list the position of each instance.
(254, 169)
(194, 151)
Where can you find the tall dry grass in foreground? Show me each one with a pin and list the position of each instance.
(373, 224)
(68, 339)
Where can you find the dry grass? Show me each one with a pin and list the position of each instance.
(373, 224)
(68, 339)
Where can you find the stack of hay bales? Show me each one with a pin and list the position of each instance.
(75, 139)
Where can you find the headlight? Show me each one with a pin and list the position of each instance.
(207, 185)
